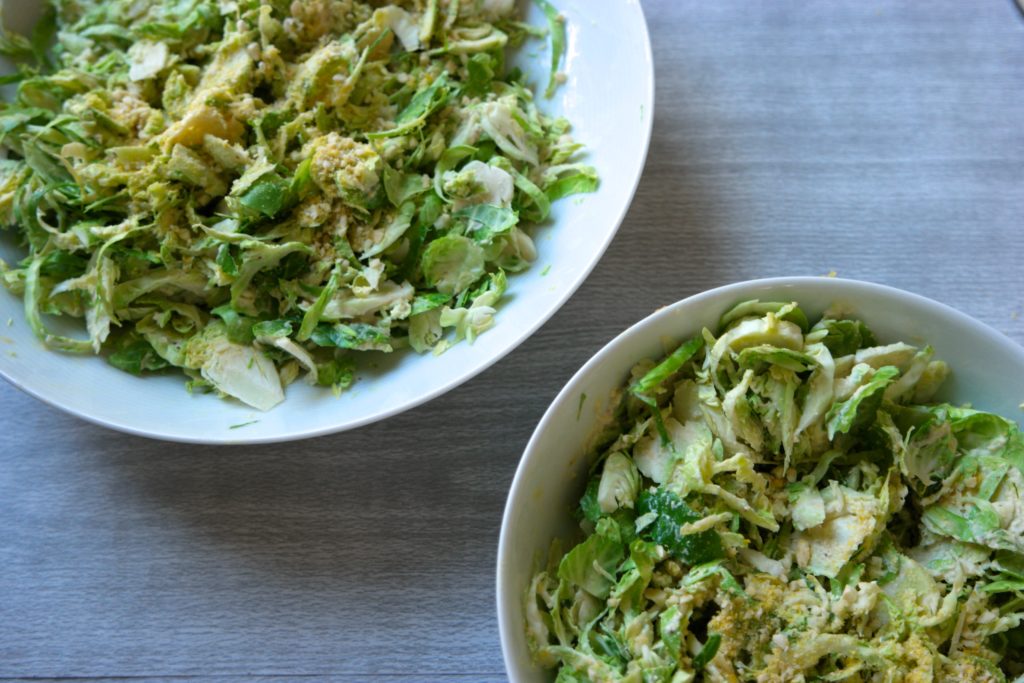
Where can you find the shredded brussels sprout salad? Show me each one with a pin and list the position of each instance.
(253, 190)
(782, 501)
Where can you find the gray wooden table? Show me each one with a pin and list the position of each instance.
(882, 140)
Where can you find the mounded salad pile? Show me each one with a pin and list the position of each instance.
(782, 501)
(252, 190)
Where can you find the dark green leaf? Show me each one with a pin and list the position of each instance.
(239, 327)
(267, 195)
(589, 508)
(15, 77)
(226, 261)
(337, 373)
(42, 36)
(1010, 563)
(668, 367)
(429, 213)
(424, 101)
(846, 336)
(707, 652)
(292, 265)
(481, 68)
(271, 121)
(136, 357)
(609, 647)
(61, 265)
(672, 513)
(423, 104)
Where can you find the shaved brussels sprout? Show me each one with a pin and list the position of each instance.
(781, 501)
(362, 174)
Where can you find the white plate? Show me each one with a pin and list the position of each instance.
(609, 97)
(988, 372)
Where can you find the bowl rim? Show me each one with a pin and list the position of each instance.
(517, 491)
(554, 304)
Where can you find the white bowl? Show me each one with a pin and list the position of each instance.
(988, 372)
(609, 98)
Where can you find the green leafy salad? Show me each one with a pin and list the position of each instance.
(781, 501)
(254, 190)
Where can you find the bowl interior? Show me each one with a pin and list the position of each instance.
(610, 55)
(988, 372)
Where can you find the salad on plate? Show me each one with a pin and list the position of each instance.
(256, 191)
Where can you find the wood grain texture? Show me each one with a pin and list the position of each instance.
(882, 140)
